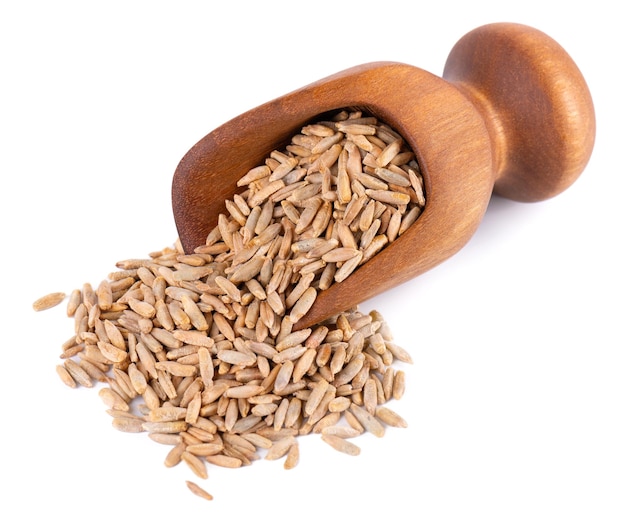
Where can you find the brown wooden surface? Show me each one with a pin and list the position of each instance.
(512, 110)
(535, 102)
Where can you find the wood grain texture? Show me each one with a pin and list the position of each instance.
(512, 113)
(535, 102)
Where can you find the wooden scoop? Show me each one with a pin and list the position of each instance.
(512, 115)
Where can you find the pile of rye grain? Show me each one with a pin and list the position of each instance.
(200, 351)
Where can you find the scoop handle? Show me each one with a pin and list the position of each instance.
(535, 103)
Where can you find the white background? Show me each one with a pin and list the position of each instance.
(516, 400)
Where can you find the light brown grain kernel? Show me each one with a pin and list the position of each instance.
(339, 404)
(151, 398)
(213, 393)
(293, 413)
(280, 447)
(239, 442)
(205, 449)
(73, 302)
(390, 417)
(165, 426)
(113, 400)
(234, 357)
(198, 491)
(317, 129)
(281, 414)
(368, 421)
(348, 267)
(389, 152)
(224, 461)
(322, 409)
(330, 419)
(350, 370)
(254, 174)
(387, 383)
(137, 378)
(114, 335)
(258, 440)
(353, 129)
(243, 391)
(292, 339)
(128, 425)
(370, 397)
(224, 326)
(293, 456)
(342, 445)
(345, 432)
(377, 243)
(104, 295)
(303, 364)
(338, 359)
(78, 373)
(193, 409)
(195, 436)
(231, 414)
(245, 424)
(174, 456)
(263, 409)
(353, 421)
(398, 385)
(93, 370)
(147, 359)
(176, 369)
(316, 396)
(196, 464)
(229, 288)
(289, 354)
(65, 376)
(178, 315)
(111, 352)
(163, 315)
(303, 305)
(398, 352)
(388, 196)
(165, 382)
(243, 456)
(167, 439)
(262, 349)
(72, 351)
(418, 187)
(409, 219)
(205, 366)
(143, 308)
(167, 414)
(284, 375)
(273, 435)
(48, 301)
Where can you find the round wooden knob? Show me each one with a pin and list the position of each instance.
(535, 103)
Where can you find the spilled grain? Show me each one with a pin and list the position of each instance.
(203, 345)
